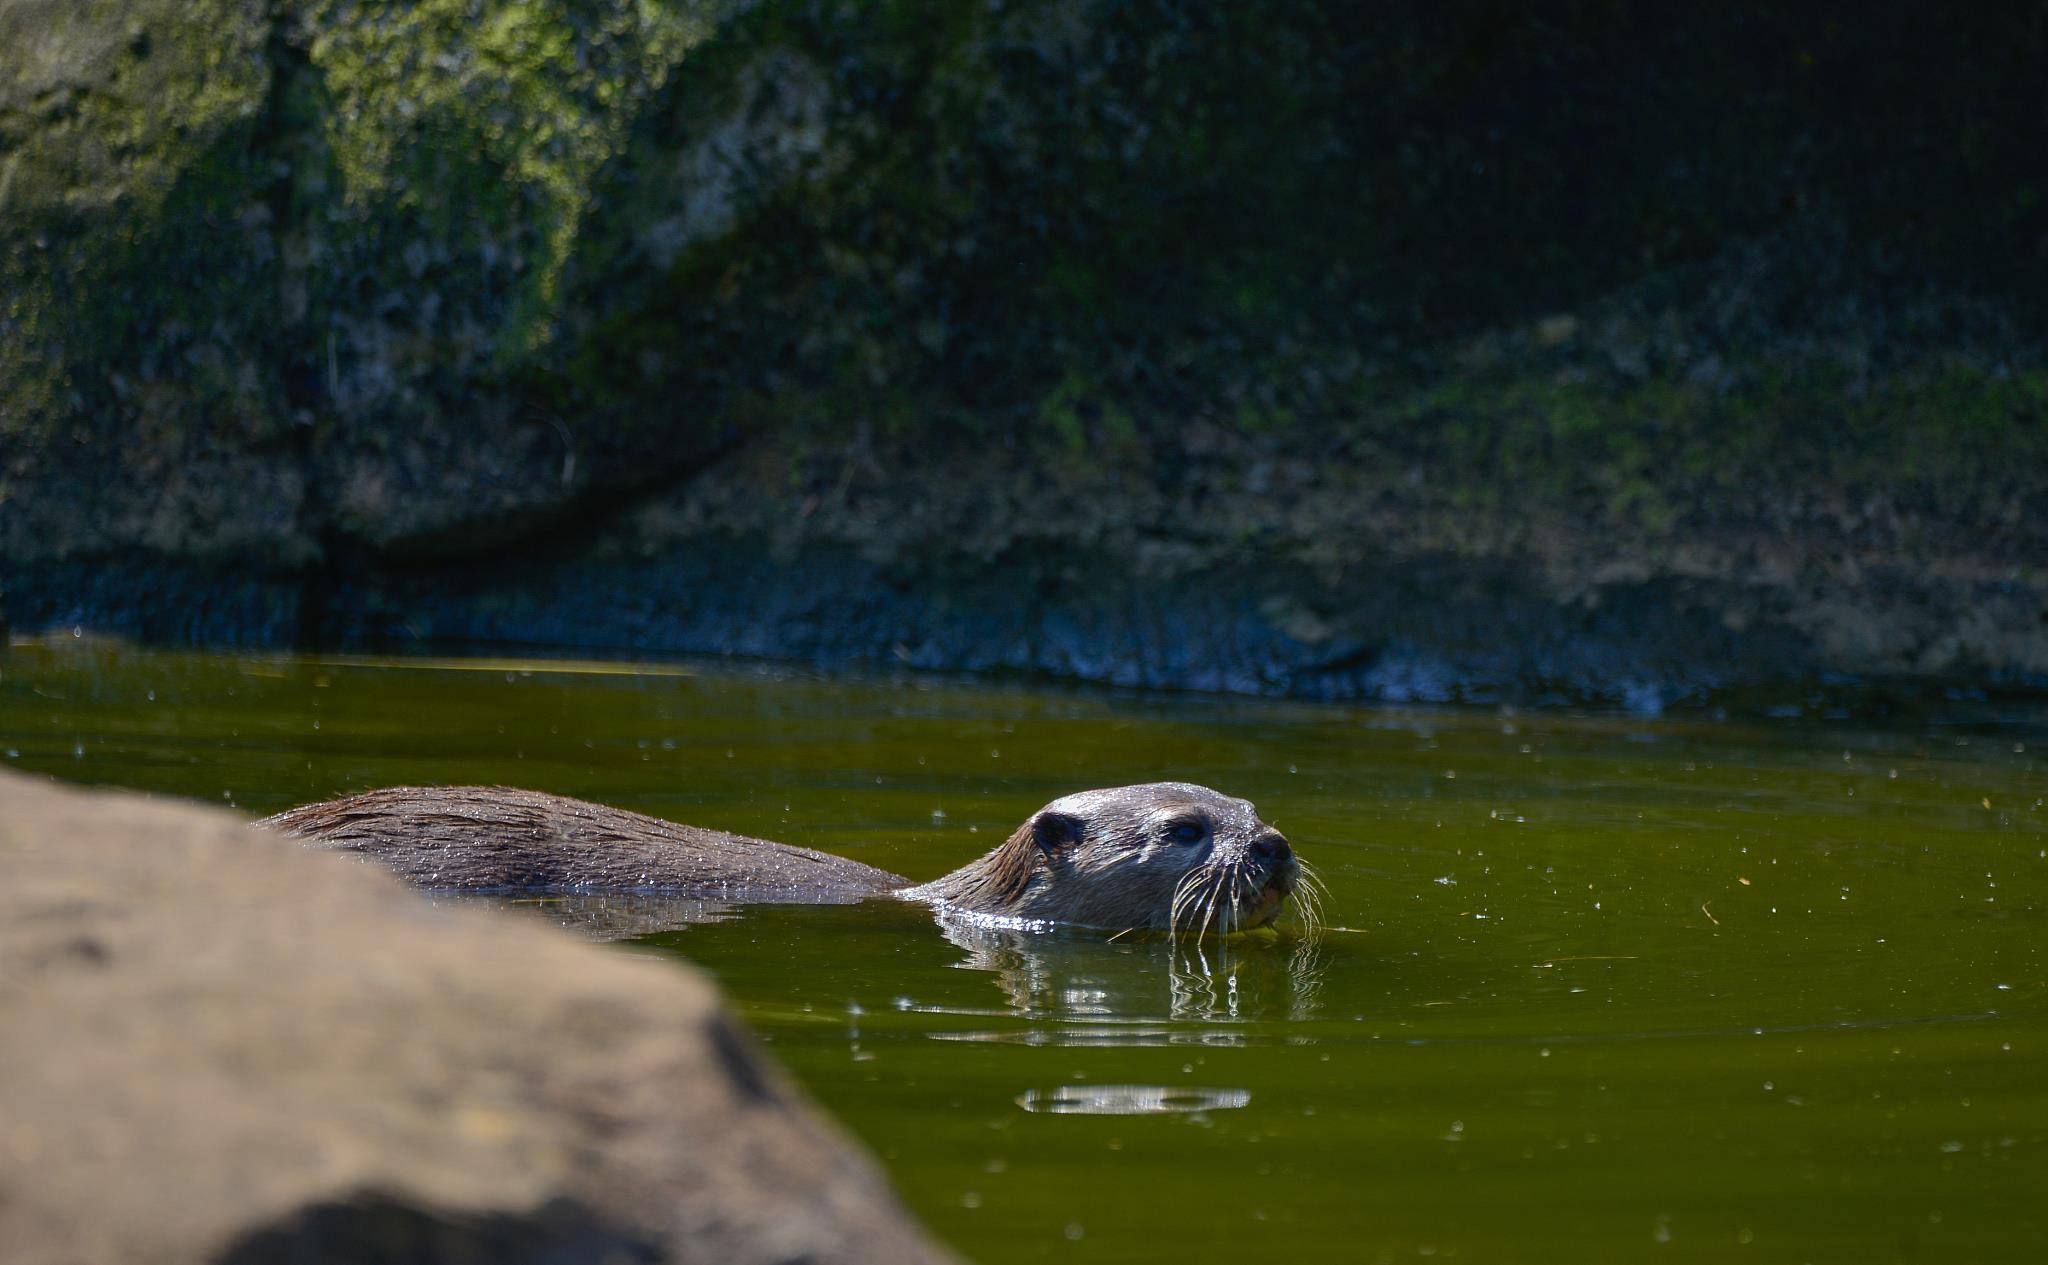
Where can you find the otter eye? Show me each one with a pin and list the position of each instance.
(1185, 832)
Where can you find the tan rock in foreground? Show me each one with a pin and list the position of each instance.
(215, 1046)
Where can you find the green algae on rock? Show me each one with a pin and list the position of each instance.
(1303, 296)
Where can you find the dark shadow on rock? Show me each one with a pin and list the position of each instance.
(377, 1229)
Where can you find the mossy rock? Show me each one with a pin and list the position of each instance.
(138, 367)
(252, 250)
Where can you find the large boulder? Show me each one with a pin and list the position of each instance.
(215, 1046)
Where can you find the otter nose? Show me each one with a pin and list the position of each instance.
(1271, 848)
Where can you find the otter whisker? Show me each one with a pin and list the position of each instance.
(1317, 887)
(1312, 891)
(1310, 901)
(1248, 895)
(1185, 893)
(1309, 890)
(1209, 906)
(1203, 903)
(1311, 914)
(1311, 873)
(1301, 905)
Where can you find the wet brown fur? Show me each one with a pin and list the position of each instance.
(496, 838)
(1000, 878)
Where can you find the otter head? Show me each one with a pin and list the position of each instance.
(1166, 855)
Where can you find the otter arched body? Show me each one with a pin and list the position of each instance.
(498, 839)
(1166, 855)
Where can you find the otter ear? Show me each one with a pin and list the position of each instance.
(1055, 833)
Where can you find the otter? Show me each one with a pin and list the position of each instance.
(1168, 856)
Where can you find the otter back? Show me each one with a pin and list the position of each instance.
(495, 838)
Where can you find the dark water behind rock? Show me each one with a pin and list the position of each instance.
(1605, 986)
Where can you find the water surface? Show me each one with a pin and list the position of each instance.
(1605, 988)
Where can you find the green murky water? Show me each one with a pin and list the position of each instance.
(1611, 989)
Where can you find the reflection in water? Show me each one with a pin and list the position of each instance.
(1083, 1038)
(1129, 1100)
(602, 916)
(1050, 974)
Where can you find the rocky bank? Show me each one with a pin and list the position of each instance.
(1417, 351)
